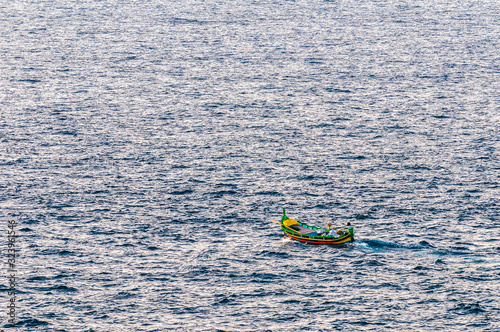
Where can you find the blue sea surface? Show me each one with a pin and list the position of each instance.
(145, 146)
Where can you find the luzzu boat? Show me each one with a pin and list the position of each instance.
(315, 235)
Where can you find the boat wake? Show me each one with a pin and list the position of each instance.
(381, 245)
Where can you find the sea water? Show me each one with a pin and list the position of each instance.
(145, 146)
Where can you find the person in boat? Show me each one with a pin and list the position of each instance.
(322, 232)
(331, 231)
(350, 229)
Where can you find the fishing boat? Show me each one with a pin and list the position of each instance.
(299, 231)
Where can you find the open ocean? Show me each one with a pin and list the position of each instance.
(145, 146)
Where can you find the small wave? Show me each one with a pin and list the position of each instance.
(181, 192)
(28, 323)
(37, 278)
(269, 193)
(368, 262)
(467, 308)
(274, 254)
(263, 277)
(221, 193)
(59, 288)
(338, 90)
(452, 251)
(124, 295)
(420, 268)
(30, 80)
